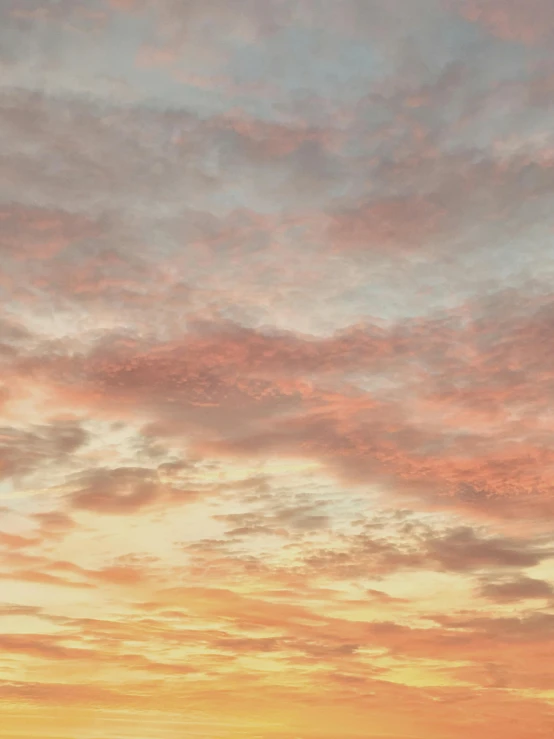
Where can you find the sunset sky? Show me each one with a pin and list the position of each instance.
(276, 369)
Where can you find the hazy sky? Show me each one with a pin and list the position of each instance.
(276, 369)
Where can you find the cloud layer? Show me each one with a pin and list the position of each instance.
(276, 377)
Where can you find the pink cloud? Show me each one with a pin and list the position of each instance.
(509, 19)
(230, 390)
(397, 224)
(35, 233)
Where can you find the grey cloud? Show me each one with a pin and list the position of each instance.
(463, 550)
(515, 590)
(24, 450)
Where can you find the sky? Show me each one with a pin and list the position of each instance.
(276, 369)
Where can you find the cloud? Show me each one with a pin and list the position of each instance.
(276, 519)
(382, 550)
(389, 224)
(509, 20)
(522, 588)
(472, 433)
(382, 597)
(443, 197)
(24, 450)
(54, 524)
(124, 490)
(51, 693)
(35, 233)
(462, 550)
(16, 541)
(42, 578)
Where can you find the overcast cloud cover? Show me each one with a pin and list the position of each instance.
(277, 369)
